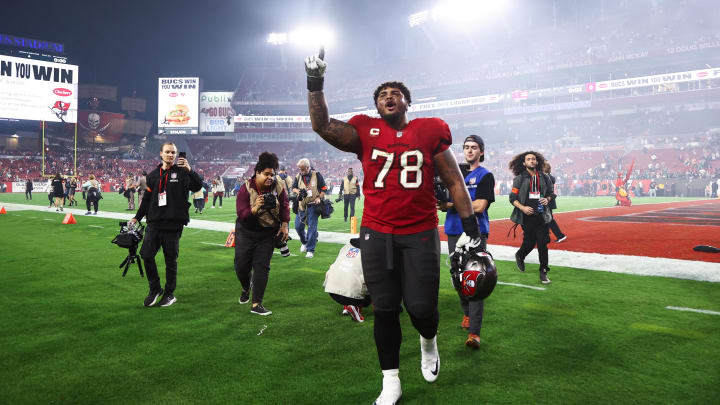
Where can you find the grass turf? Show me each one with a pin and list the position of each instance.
(74, 331)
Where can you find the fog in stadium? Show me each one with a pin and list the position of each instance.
(621, 99)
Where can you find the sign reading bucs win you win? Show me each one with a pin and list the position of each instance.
(178, 105)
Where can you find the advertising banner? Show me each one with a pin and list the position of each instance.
(654, 80)
(178, 110)
(215, 111)
(38, 90)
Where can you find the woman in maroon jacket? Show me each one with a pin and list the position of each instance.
(263, 213)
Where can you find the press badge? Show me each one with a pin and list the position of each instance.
(162, 199)
(534, 196)
(309, 192)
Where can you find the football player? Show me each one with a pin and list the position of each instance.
(398, 236)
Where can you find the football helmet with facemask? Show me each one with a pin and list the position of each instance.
(473, 273)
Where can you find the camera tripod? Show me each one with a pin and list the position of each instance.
(131, 258)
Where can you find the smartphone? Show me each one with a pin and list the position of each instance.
(182, 155)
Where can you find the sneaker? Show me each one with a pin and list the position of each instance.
(355, 313)
(88, 213)
(167, 300)
(562, 239)
(212, 206)
(520, 263)
(345, 310)
(303, 248)
(309, 255)
(95, 213)
(473, 341)
(429, 359)
(260, 310)
(391, 392)
(465, 324)
(244, 297)
(543, 276)
(152, 297)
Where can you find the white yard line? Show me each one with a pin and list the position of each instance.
(700, 311)
(532, 287)
(96, 226)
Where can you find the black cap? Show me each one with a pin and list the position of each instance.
(477, 140)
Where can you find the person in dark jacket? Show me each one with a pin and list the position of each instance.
(28, 189)
(531, 193)
(263, 214)
(58, 191)
(165, 205)
(559, 235)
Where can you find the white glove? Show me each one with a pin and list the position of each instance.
(467, 244)
(315, 67)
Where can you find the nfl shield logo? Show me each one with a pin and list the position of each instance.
(173, 176)
(353, 252)
(472, 181)
(399, 134)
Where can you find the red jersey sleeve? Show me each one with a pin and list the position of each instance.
(444, 137)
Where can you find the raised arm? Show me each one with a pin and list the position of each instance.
(337, 133)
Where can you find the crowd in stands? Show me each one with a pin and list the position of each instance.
(622, 32)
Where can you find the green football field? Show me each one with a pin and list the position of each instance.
(75, 331)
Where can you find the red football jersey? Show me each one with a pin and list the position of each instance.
(399, 171)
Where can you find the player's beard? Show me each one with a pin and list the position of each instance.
(393, 119)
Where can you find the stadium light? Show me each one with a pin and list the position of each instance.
(458, 10)
(277, 38)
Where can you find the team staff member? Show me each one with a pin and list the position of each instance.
(350, 190)
(309, 207)
(399, 238)
(559, 235)
(165, 204)
(218, 190)
(141, 186)
(480, 183)
(256, 227)
(531, 193)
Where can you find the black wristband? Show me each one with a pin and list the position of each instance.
(470, 227)
(315, 83)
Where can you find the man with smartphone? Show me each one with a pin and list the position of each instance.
(165, 204)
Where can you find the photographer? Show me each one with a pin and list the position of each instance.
(166, 206)
(531, 194)
(263, 215)
(93, 194)
(349, 190)
(309, 186)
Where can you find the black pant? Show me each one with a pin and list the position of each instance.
(216, 196)
(93, 201)
(170, 243)
(535, 231)
(556, 229)
(28, 194)
(401, 268)
(349, 200)
(253, 251)
(472, 309)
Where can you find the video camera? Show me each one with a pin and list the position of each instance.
(130, 238)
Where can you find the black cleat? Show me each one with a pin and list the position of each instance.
(543, 275)
(167, 300)
(260, 310)
(152, 297)
(520, 263)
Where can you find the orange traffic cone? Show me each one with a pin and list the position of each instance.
(230, 241)
(69, 219)
(2, 210)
